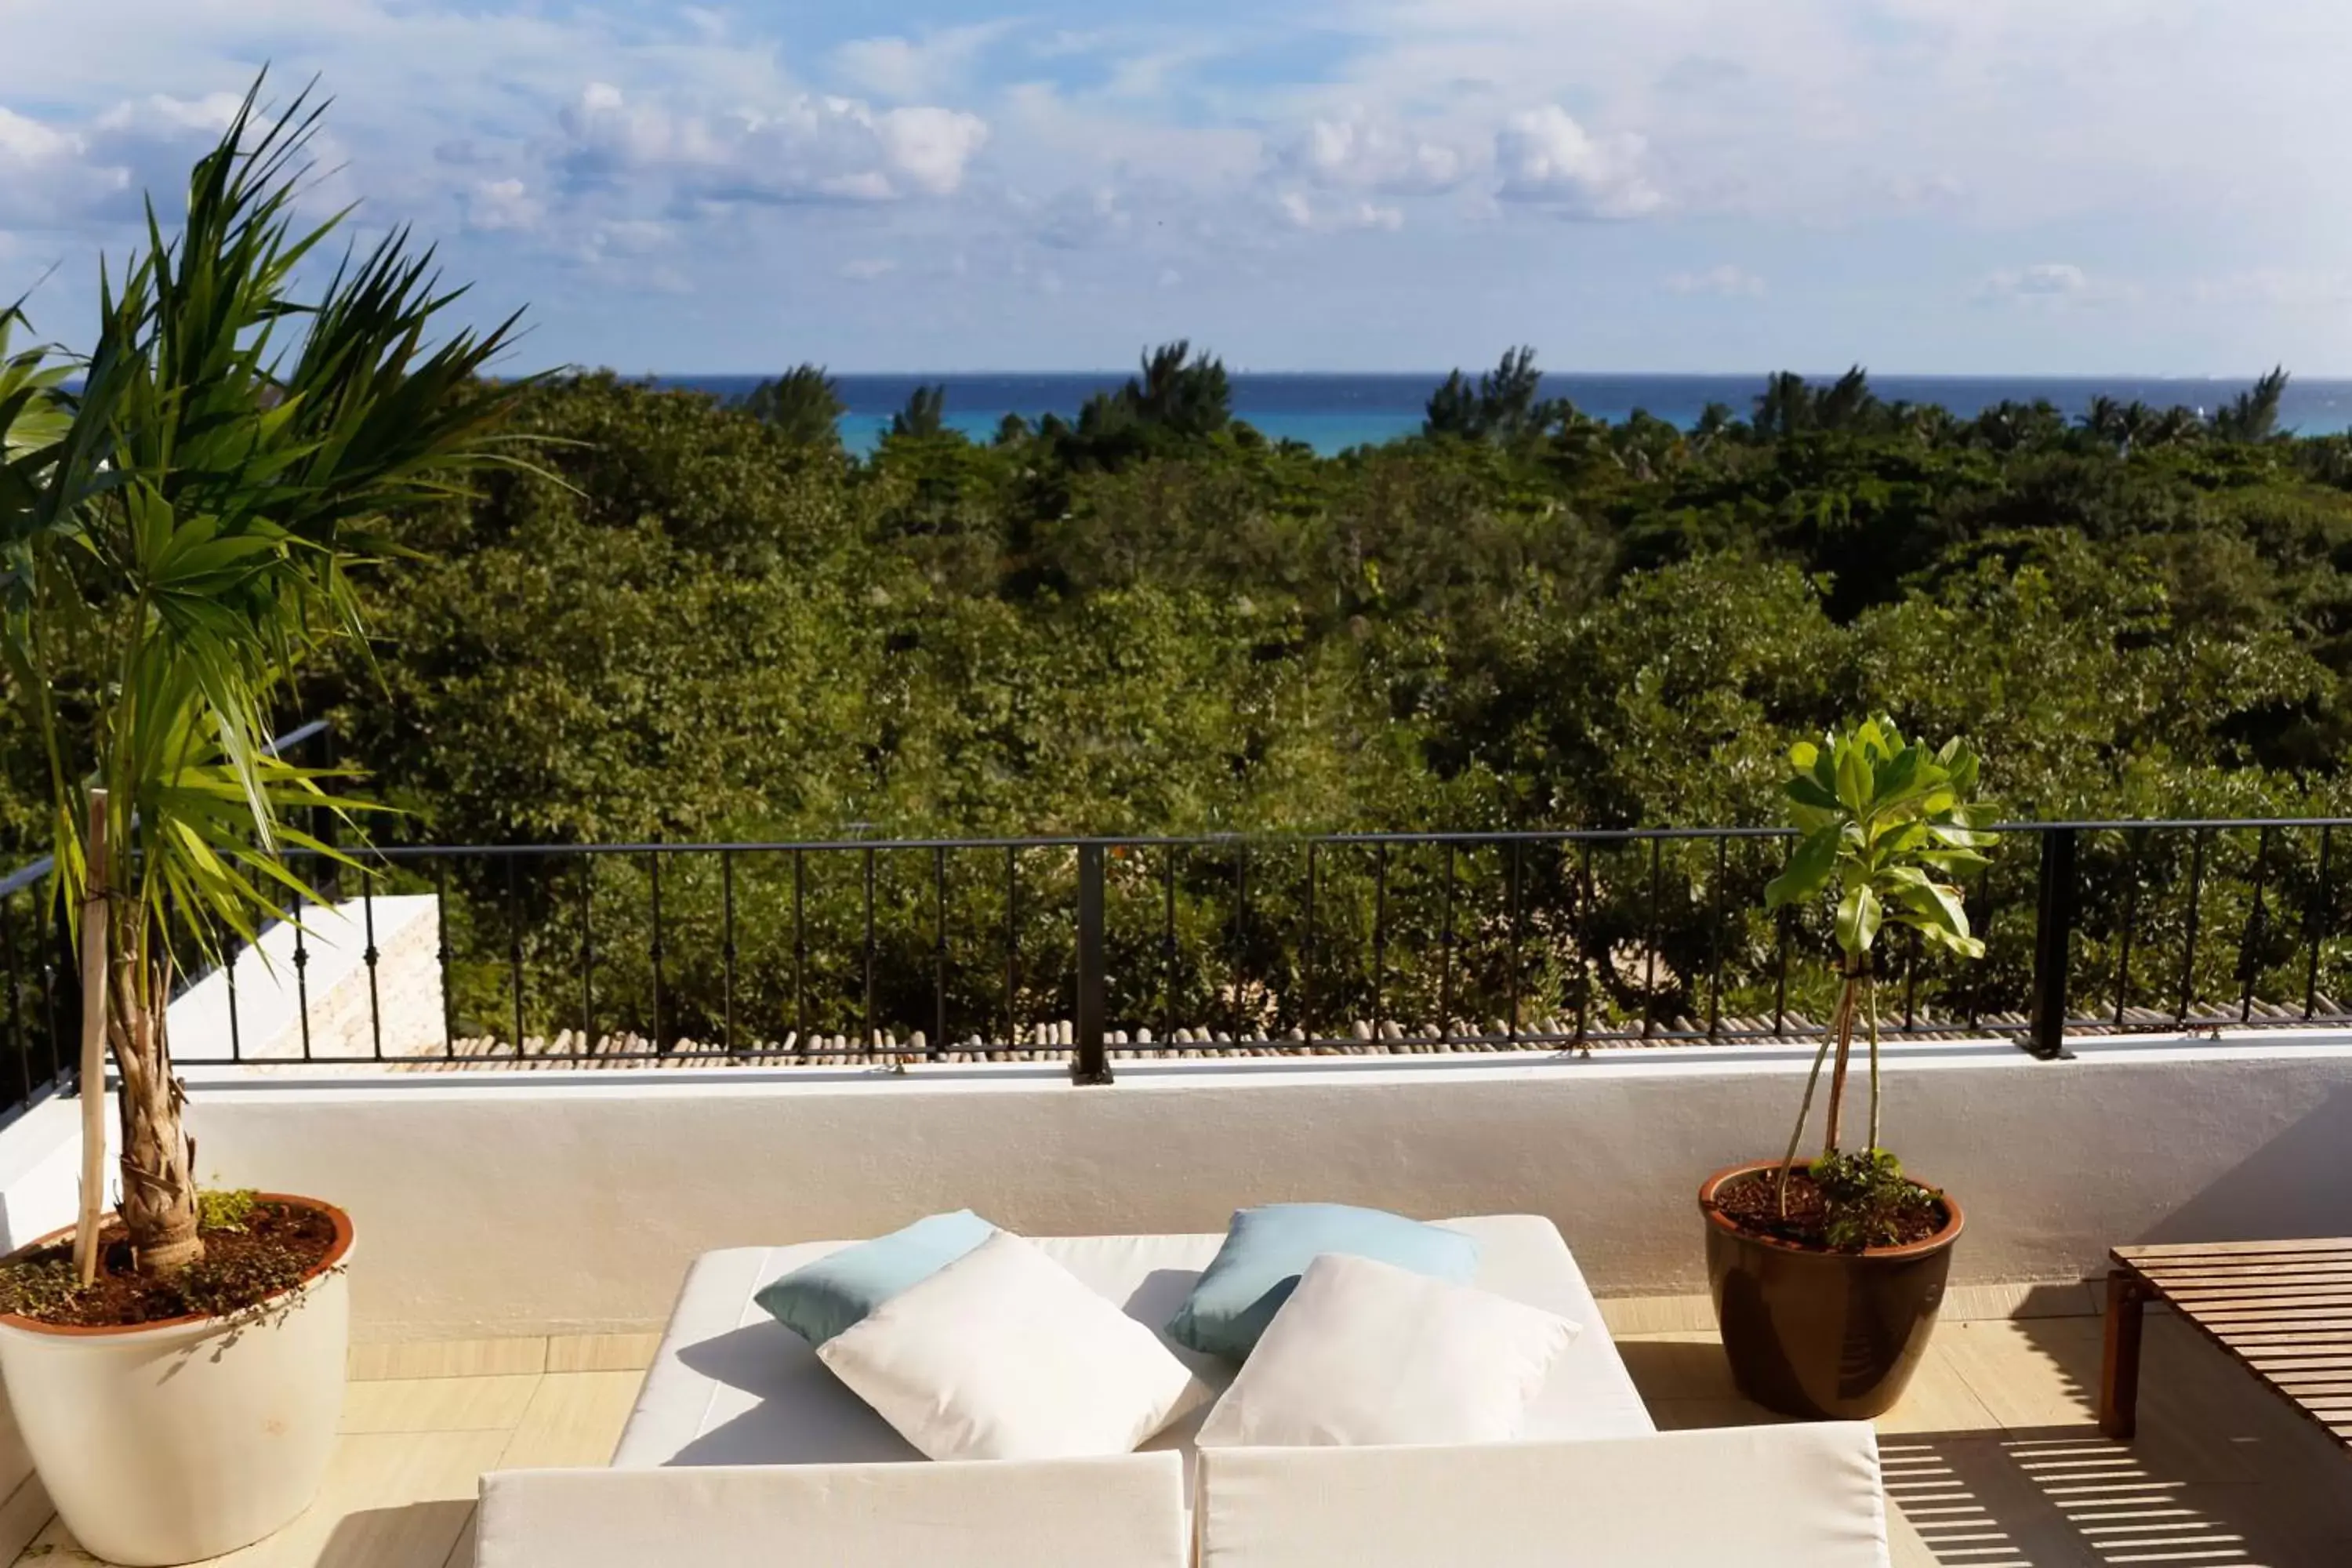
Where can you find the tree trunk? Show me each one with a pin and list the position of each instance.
(1845, 1056)
(159, 1187)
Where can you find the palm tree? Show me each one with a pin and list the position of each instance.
(1182, 393)
(926, 407)
(1785, 406)
(1849, 404)
(803, 404)
(1505, 405)
(2252, 415)
(197, 509)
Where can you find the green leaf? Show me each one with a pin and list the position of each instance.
(1858, 917)
(1808, 871)
(1808, 792)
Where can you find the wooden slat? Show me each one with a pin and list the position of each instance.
(2283, 1309)
(2222, 1289)
(2282, 1268)
(2223, 1297)
(2277, 1322)
(2250, 1311)
(2342, 1244)
(2245, 1306)
(2246, 1271)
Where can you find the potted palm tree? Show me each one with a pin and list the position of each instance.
(1827, 1277)
(189, 516)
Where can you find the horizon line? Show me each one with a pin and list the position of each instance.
(1108, 371)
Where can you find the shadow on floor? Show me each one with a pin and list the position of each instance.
(415, 1535)
(2221, 1474)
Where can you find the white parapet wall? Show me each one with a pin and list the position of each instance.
(571, 1200)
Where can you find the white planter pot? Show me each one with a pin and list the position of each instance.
(172, 1442)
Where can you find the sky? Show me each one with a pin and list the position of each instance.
(1965, 186)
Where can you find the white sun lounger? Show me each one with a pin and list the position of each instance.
(743, 1450)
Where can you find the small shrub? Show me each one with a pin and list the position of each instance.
(1867, 1201)
(43, 1288)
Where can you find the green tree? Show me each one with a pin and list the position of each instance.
(803, 404)
(1186, 395)
(2252, 415)
(921, 416)
(1886, 825)
(1791, 406)
(1507, 407)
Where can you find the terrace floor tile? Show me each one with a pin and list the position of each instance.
(1993, 1460)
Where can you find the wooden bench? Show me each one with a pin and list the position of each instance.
(2283, 1309)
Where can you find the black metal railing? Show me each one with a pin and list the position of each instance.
(1099, 949)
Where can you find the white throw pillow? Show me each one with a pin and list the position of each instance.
(1005, 1355)
(1365, 1353)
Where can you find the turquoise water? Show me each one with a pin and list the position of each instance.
(1332, 412)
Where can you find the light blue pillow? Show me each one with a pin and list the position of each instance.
(838, 1290)
(1266, 1250)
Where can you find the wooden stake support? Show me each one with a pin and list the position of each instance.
(93, 1044)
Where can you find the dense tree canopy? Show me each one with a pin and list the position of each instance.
(712, 622)
(707, 620)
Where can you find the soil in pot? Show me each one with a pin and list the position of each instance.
(1754, 1205)
(255, 1248)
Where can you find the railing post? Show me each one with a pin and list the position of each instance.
(1090, 1063)
(328, 888)
(2053, 930)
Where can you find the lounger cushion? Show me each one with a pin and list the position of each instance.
(1003, 1355)
(1364, 1353)
(820, 1300)
(1266, 1250)
(1802, 1496)
(730, 1386)
(1127, 1513)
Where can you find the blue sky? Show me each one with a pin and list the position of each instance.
(1983, 187)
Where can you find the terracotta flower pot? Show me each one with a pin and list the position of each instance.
(169, 1442)
(1819, 1334)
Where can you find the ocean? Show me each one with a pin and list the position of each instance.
(1332, 412)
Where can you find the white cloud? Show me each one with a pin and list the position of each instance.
(1729, 281)
(45, 174)
(928, 147)
(91, 173)
(1080, 217)
(2051, 286)
(805, 148)
(496, 204)
(1300, 212)
(906, 70)
(1355, 152)
(2042, 280)
(1544, 157)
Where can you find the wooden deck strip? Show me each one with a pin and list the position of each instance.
(2281, 1309)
